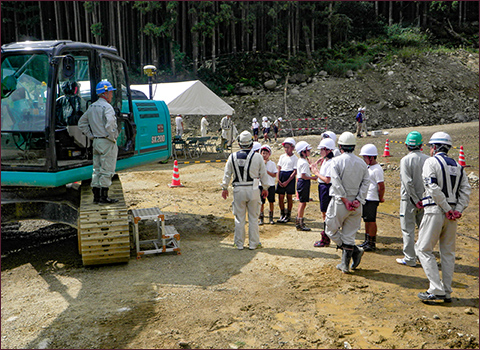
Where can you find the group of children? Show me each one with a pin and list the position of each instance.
(289, 168)
(266, 124)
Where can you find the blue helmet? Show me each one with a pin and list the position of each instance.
(104, 86)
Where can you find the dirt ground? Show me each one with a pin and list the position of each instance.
(286, 295)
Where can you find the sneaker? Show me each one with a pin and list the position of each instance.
(403, 262)
(426, 296)
(259, 246)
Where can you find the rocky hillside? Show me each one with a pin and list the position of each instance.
(424, 90)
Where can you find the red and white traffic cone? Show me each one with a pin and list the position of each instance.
(386, 151)
(461, 157)
(176, 176)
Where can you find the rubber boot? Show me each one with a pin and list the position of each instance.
(96, 195)
(370, 246)
(270, 218)
(347, 252)
(260, 219)
(288, 215)
(104, 197)
(364, 243)
(356, 257)
(303, 227)
(282, 217)
(325, 241)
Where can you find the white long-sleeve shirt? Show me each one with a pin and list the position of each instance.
(99, 121)
(411, 166)
(349, 178)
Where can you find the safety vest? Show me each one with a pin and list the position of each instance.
(452, 174)
(241, 165)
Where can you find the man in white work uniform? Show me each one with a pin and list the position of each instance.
(246, 168)
(99, 124)
(179, 125)
(350, 180)
(204, 126)
(447, 194)
(226, 125)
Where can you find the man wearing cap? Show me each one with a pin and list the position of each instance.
(179, 125)
(411, 191)
(447, 194)
(360, 124)
(246, 169)
(99, 124)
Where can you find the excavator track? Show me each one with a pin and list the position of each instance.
(103, 230)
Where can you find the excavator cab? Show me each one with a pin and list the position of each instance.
(46, 87)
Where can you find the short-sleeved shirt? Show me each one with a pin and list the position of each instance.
(303, 167)
(325, 169)
(255, 125)
(375, 173)
(178, 122)
(266, 124)
(271, 167)
(359, 117)
(287, 163)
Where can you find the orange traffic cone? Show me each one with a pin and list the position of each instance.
(461, 157)
(386, 151)
(176, 176)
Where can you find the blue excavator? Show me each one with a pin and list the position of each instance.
(46, 162)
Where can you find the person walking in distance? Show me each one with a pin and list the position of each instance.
(304, 178)
(255, 127)
(375, 193)
(226, 126)
(99, 124)
(447, 194)
(411, 190)
(271, 168)
(246, 169)
(287, 169)
(350, 180)
(276, 127)
(360, 122)
(179, 125)
(326, 147)
(204, 126)
(266, 129)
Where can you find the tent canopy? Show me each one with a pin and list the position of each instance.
(187, 98)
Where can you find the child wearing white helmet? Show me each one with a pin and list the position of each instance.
(375, 193)
(255, 127)
(266, 129)
(271, 168)
(326, 147)
(287, 169)
(303, 183)
(276, 127)
(331, 135)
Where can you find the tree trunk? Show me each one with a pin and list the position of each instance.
(376, 9)
(56, 4)
(42, 33)
(67, 18)
(213, 50)
(87, 25)
(307, 39)
(120, 36)
(184, 26)
(313, 34)
(254, 36)
(329, 26)
(297, 28)
(195, 44)
(234, 38)
(390, 13)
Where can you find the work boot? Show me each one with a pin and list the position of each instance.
(96, 194)
(364, 243)
(282, 217)
(347, 252)
(356, 257)
(370, 246)
(270, 218)
(288, 213)
(104, 197)
(302, 226)
(324, 242)
(260, 219)
(297, 224)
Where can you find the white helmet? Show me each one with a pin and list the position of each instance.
(302, 146)
(361, 109)
(254, 120)
(290, 141)
(245, 139)
(327, 143)
(441, 138)
(266, 147)
(330, 134)
(347, 139)
(256, 146)
(280, 118)
(369, 150)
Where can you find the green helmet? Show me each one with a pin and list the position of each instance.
(414, 139)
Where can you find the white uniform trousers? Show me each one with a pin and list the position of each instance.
(245, 198)
(436, 227)
(104, 162)
(339, 217)
(410, 216)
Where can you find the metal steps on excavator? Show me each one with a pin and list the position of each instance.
(103, 230)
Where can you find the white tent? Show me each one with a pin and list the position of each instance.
(187, 98)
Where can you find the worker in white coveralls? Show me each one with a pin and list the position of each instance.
(411, 193)
(246, 169)
(350, 180)
(226, 125)
(99, 124)
(447, 194)
(204, 126)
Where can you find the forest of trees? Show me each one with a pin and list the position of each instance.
(184, 36)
